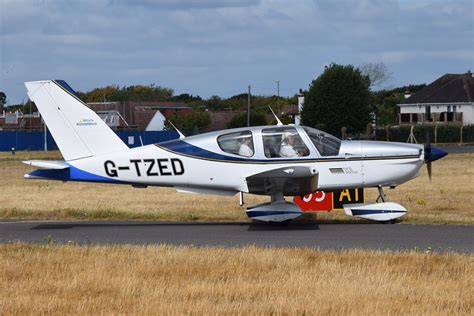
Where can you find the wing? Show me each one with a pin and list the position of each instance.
(291, 180)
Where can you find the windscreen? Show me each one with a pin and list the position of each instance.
(325, 143)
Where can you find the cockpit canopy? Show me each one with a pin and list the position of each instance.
(279, 142)
(326, 144)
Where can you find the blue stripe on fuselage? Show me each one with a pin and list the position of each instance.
(182, 147)
(77, 174)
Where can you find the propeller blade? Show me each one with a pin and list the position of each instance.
(428, 152)
(432, 153)
(428, 166)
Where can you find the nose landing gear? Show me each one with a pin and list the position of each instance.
(381, 211)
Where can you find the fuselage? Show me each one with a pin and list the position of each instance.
(208, 163)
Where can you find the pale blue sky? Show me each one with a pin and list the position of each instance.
(214, 47)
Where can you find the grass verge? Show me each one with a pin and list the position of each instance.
(70, 279)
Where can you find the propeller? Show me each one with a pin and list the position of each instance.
(432, 153)
(428, 153)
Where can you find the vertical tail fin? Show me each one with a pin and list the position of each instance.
(78, 131)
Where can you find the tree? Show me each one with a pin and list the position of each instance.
(339, 97)
(386, 110)
(214, 102)
(3, 100)
(131, 93)
(190, 123)
(256, 119)
(377, 72)
(385, 103)
(148, 93)
(186, 98)
(109, 93)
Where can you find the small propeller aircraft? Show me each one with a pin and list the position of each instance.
(277, 161)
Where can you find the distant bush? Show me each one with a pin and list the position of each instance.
(445, 133)
(449, 133)
(468, 134)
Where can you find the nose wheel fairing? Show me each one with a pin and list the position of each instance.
(381, 212)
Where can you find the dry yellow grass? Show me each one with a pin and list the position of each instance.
(187, 280)
(448, 199)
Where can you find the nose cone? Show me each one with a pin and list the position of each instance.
(434, 153)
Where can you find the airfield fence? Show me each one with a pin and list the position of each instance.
(438, 133)
(34, 140)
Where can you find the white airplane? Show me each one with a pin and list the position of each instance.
(278, 161)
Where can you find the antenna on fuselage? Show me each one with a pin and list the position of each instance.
(279, 123)
(181, 135)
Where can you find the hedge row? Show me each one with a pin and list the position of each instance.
(445, 133)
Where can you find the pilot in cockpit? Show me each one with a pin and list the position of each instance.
(292, 146)
(286, 148)
(246, 147)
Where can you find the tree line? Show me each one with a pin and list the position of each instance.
(342, 96)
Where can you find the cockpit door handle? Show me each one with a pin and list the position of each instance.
(350, 155)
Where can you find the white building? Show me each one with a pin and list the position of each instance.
(447, 99)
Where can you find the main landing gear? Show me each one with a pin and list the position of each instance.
(381, 196)
(277, 210)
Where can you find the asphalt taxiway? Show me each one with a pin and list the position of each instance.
(325, 236)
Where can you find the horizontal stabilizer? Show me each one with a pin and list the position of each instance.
(47, 164)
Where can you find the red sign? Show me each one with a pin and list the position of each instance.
(316, 201)
(328, 201)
